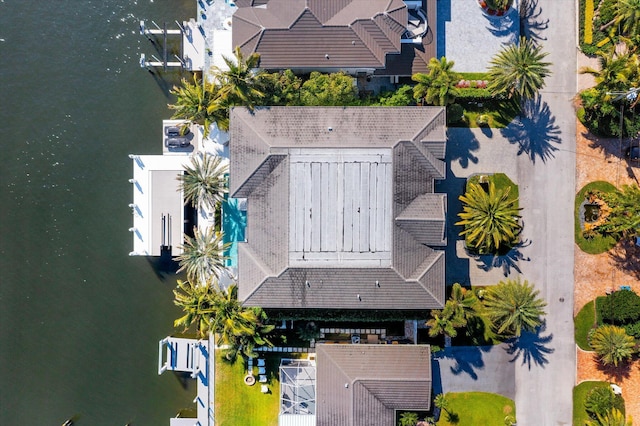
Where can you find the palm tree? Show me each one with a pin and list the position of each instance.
(624, 216)
(204, 181)
(442, 402)
(615, 72)
(203, 256)
(240, 328)
(490, 219)
(198, 303)
(518, 70)
(463, 303)
(628, 15)
(514, 306)
(193, 103)
(612, 344)
(444, 322)
(408, 418)
(611, 418)
(438, 86)
(240, 84)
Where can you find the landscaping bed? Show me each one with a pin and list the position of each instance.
(597, 243)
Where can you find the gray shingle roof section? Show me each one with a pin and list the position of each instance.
(425, 219)
(364, 384)
(319, 34)
(262, 144)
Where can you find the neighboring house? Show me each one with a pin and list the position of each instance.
(385, 37)
(341, 209)
(363, 385)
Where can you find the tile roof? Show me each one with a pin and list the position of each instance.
(320, 33)
(364, 384)
(273, 274)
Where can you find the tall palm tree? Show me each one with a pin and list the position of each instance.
(240, 83)
(204, 181)
(611, 418)
(438, 86)
(194, 101)
(203, 256)
(518, 70)
(198, 304)
(615, 72)
(514, 306)
(240, 328)
(612, 344)
(490, 219)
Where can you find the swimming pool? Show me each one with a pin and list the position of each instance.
(234, 223)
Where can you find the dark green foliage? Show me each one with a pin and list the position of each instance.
(624, 219)
(403, 96)
(329, 90)
(334, 315)
(408, 418)
(281, 88)
(619, 307)
(455, 113)
(600, 401)
(633, 329)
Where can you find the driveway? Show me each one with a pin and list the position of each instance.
(538, 152)
(474, 368)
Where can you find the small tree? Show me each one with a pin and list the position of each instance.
(408, 418)
(438, 86)
(599, 401)
(328, 90)
(619, 307)
(612, 344)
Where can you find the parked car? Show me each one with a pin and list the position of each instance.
(179, 142)
(633, 152)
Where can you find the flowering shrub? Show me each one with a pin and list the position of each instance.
(473, 84)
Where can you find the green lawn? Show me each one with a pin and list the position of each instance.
(239, 404)
(579, 394)
(500, 113)
(501, 181)
(583, 323)
(598, 244)
(477, 408)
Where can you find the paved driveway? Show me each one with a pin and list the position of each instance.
(538, 152)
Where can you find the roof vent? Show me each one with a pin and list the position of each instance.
(330, 129)
(346, 385)
(326, 56)
(359, 298)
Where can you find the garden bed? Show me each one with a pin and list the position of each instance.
(598, 243)
(580, 392)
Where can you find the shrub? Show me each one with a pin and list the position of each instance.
(620, 307)
(633, 329)
(600, 401)
(588, 21)
(401, 97)
(455, 113)
(482, 120)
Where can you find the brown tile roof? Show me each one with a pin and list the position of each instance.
(320, 33)
(364, 384)
(261, 144)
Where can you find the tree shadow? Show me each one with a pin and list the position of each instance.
(467, 358)
(461, 143)
(506, 261)
(534, 131)
(506, 27)
(531, 347)
(625, 255)
(531, 25)
(613, 373)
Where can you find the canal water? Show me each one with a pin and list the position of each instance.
(80, 320)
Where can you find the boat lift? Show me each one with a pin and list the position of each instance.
(153, 34)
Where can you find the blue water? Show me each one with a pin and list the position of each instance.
(79, 319)
(234, 223)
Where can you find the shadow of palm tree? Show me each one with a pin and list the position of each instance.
(531, 347)
(506, 261)
(625, 255)
(534, 131)
(461, 143)
(467, 358)
(531, 25)
(506, 27)
(616, 374)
